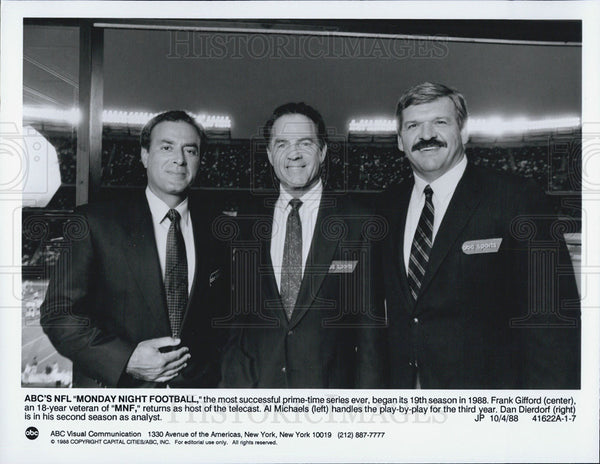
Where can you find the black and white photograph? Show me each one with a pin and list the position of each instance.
(275, 234)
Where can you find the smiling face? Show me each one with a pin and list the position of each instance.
(295, 153)
(172, 160)
(431, 138)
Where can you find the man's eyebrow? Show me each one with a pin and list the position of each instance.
(171, 141)
(302, 139)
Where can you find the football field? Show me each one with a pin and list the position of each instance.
(34, 343)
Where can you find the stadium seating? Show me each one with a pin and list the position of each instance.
(231, 167)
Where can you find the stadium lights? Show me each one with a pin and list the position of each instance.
(44, 114)
(498, 126)
(210, 121)
(372, 125)
(115, 117)
(126, 118)
(495, 126)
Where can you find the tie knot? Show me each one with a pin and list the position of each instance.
(173, 215)
(428, 192)
(295, 203)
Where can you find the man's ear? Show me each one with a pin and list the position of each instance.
(323, 153)
(464, 134)
(270, 156)
(400, 144)
(144, 156)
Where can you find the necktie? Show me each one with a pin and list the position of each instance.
(176, 273)
(421, 246)
(291, 269)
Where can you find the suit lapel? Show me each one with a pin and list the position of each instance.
(462, 206)
(318, 262)
(397, 255)
(142, 258)
(201, 276)
(270, 297)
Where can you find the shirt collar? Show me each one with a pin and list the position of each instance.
(446, 183)
(312, 195)
(159, 208)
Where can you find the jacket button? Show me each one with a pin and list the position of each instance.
(410, 363)
(416, 320)
(283, 369)
(291, 332)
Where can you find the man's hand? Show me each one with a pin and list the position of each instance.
(147, 362)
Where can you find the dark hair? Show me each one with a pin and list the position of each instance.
(297, 108)
(173, 116)
(428, 92)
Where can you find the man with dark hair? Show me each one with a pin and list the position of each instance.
(478, 282)
(298, 108)
(132, 302)
(307, 314)
(172, 116)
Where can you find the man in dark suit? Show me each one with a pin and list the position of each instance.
(132, 302)
(478, 282)
(306, 313)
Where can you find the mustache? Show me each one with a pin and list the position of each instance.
(421, 144)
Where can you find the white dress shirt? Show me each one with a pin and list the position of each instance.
(308, 217)
(443, 189)
(161, 223)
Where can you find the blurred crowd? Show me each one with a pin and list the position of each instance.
(359, 167)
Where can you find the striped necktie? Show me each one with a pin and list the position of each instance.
(421, 246)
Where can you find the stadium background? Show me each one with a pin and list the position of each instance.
(506, 70)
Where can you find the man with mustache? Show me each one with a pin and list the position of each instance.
(132, 302)
(471, 302)
(306, 310)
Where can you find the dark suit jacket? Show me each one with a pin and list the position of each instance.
(508, 319)
(332, 338)
(107, 295)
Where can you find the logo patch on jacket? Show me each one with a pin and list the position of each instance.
(214, 275)
(487, 245)
(338, 267)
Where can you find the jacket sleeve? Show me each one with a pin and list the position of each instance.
(237, 370)
(238, 367)
(547, 321)
(68, 316)
(372, 327)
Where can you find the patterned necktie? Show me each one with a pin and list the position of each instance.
(176, 273)
(421, 246)
(291, 268)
